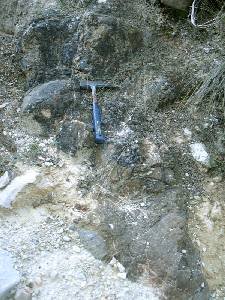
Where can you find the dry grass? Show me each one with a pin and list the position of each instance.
(211, 94)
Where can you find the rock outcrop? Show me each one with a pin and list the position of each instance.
(134, 201)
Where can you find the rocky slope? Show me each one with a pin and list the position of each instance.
(140, 217)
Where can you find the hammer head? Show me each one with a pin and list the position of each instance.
(86, 84)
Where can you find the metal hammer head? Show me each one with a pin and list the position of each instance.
(86, 84)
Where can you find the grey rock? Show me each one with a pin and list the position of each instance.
(109, 40)
(153, 236)
(73, 136)
(178, 4)
(93, 242)
(15, 14)
(49, 99)
(9, 277)
(46, 48)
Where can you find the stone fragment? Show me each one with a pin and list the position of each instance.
(9, 277)
(4, 180)
(8, 195)
(198, 151)
(93, 242)
(66, 238)
(152, 153)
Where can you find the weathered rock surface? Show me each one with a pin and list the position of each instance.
(17, 13)
(110, 42)
(46, 48)
(93, 242)
(74, 135)
(9, 277)
(49, 100)
(137, 189)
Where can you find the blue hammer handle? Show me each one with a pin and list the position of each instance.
(97, 119)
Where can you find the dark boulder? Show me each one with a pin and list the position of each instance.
(50, 99)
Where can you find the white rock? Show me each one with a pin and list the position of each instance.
(76, 249)
(83, 284)
(120, 267)
(9, 277)
(111, 226)
(152, 153)
(198, 151)
(8, 195)
(4, 180)
(53, 274)
(187, 133)
(3, 105)
(117, 265)
(48, 164)
(122, 275)
(66, 238)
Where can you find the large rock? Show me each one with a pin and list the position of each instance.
(151, 236)
(105, 41)
(46, 48)
(50, 99)
(14, 14)
(9, 277)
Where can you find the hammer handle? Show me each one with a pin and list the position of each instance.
(97, 119)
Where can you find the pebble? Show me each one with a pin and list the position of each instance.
(122, 275)
(66, 238)
(83, 284)
(53, 274)
(120, 267)
(76, 249)
(218, 179)
(48, 164)
(111, 226)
